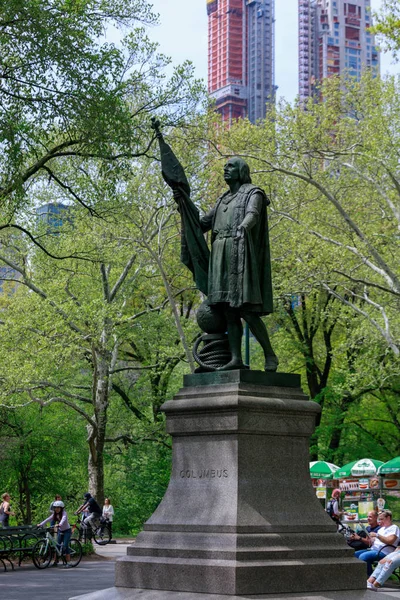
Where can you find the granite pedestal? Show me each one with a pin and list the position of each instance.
(240, 517)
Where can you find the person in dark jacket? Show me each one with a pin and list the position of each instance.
(359, 541)
(90, 506)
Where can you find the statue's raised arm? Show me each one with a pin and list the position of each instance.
(195, 254)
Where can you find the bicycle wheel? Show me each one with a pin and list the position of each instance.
(75, 548)
(102, 535)
(42, 554)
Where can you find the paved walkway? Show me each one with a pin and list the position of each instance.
(113, 550)
(58, 583)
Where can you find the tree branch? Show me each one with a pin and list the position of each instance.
(129, 440)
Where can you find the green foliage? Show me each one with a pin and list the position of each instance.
(137, 479)
(109, 313)
(33, 445)
(87, 549)
(94, 344)
(69, 94)
(387, 26)
(75, 128)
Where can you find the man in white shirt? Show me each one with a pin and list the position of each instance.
(383, 541)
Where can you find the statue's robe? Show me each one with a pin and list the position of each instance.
(239, 272)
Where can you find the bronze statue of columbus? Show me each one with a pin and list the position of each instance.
(239, 273)
(236, 276)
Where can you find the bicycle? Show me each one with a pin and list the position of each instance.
(345, 530)
(99, 530)
(46, 550)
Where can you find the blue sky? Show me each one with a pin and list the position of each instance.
(183, 35)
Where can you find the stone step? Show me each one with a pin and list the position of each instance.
(240, 577)
(243, 554)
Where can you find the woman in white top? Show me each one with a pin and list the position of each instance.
(108, 513)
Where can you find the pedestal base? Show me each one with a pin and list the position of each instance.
(240, 517)
(129, 594)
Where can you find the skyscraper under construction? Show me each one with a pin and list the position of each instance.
(241, 57)
(333, 39)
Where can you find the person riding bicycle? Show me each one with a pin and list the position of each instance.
(60, 520)
(90, 505)
(51, 509)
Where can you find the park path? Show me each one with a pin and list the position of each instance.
(113, 550)
(94, 573)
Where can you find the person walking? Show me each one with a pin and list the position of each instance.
(5, 510)
(108, 513)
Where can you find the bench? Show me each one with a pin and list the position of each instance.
(396, 572)
(18, 542)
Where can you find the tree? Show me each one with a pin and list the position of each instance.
(56, 76)
(387, 25)
(334, 173)
(33, 450)
(95, 321)
(70, 97)
(75, 123)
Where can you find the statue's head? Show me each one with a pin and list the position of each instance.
(238, 168)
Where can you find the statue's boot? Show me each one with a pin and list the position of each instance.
(271, 363)
(232, 365)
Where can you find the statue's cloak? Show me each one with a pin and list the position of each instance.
(250, 283)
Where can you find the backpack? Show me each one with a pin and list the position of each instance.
(329, 509)
(357, 544)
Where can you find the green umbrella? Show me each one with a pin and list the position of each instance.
(364, 467)
(320, 468)
(392, 466)
(345, 471)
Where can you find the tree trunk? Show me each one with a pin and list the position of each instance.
(27, 492)
(97, 436)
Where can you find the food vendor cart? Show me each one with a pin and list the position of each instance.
(389, 474)
(362, 487)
